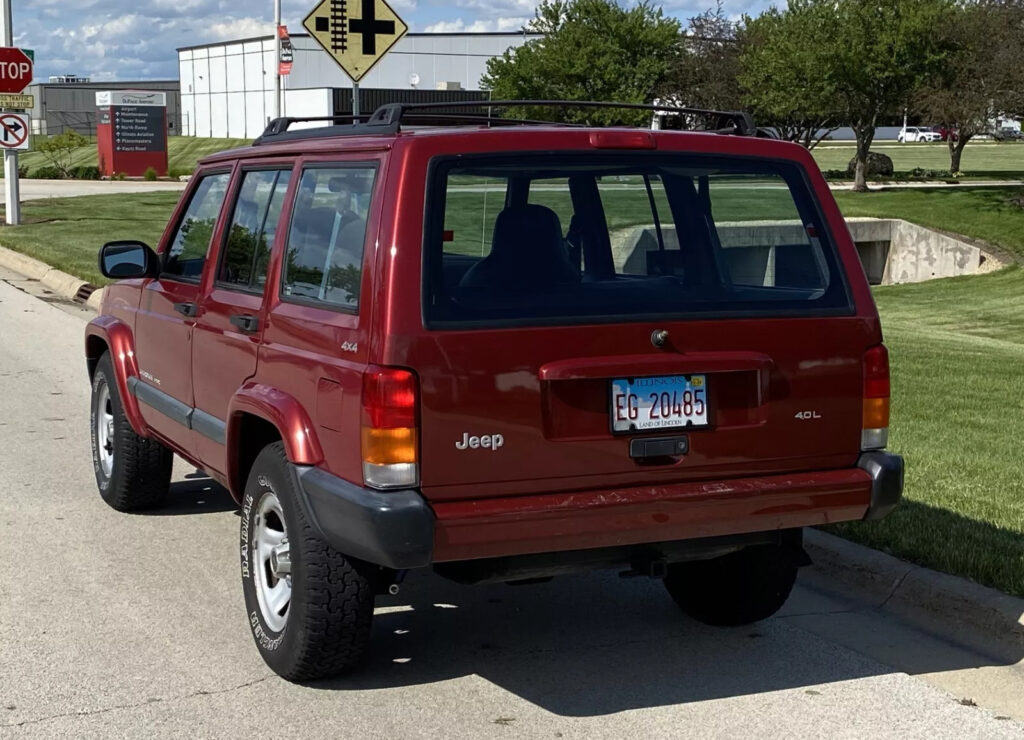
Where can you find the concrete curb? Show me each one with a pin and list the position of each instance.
(912, 590)
(61, 283)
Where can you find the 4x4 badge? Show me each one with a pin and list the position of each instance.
(349, 346)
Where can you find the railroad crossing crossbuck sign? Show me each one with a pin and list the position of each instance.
(14, 131)
(356, 33)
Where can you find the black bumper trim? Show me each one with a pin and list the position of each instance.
(394, 529)
(886, 471)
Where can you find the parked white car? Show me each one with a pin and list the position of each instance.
(911, 134)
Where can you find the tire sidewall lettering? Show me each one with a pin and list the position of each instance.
(102, 480)
(267, 640)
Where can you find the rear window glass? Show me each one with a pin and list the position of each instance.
(542, 239)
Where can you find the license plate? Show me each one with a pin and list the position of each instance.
(666, 402)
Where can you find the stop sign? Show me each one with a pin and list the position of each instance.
(15, 70)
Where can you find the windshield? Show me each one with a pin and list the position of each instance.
(599, 237)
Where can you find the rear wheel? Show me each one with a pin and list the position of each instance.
(132, 472)
(739, 588)
(309, 606)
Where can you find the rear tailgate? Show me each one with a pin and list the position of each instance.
(535, 411)
(555, 283)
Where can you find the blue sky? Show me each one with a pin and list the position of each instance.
(136, 39)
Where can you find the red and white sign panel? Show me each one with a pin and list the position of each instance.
(15, 70)
(284, 64)
(14, 131)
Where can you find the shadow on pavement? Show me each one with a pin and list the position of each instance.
(597, 644)
(197, 494)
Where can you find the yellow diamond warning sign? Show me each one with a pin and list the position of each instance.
(356, 33)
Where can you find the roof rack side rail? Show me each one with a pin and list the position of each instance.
(344, 124)
(736, 122)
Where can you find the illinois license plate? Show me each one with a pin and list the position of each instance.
(665, 402)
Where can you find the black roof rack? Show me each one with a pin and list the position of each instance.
(387, 119)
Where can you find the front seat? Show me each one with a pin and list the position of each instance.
(527, 251)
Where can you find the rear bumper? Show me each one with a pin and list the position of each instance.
(398, 529)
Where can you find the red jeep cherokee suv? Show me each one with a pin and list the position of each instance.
(501, 349)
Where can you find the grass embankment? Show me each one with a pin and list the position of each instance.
(957, 353)
(981, 160)
(957, 348)
(67, 233)
(183, 152)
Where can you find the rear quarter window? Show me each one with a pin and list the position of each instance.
(611, 237)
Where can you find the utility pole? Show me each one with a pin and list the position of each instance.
(277, 58)
(12, 194)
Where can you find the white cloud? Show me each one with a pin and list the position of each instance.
(480, 26)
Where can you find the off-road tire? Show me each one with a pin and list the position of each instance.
(141, 473)
(739, 588)
(327, 628)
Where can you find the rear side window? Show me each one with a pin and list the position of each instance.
(253, 227)
(186, 254)
(324, 257)
(599, 237)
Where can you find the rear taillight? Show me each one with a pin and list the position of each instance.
(389, 435)
(875, 427)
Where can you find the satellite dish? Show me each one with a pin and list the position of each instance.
(414, 79)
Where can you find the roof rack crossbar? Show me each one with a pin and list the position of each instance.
(387, 119)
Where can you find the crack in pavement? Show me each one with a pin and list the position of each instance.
(135, 705)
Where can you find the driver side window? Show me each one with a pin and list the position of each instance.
(187, 251)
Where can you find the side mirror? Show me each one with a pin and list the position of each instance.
(128, 259)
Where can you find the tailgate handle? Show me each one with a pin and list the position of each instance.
(641, 448)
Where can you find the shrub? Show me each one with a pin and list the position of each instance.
(86, 172)
(23, 171)
(59, 150)
(119, 176)
(47, 172)
(150, 174)
(175, 172)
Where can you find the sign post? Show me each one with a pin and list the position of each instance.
(357, 34)
(15, 76)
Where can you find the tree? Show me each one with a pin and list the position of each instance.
(783, 70)
(851, 61)
(591, 50)
(60, 150)
(705, 71)
(983, 75)
(881, 53)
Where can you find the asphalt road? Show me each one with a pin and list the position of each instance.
(133, 626)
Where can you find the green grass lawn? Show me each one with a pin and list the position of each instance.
(957, 354)
(67, 233)
(957, 348)
(986, 160)
(182, 153)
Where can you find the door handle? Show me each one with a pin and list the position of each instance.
(246, 322)
(186, 309)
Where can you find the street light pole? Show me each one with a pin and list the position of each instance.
(12, 195)
(277, 58)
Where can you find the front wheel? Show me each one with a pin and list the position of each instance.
(739, 588)
(132, 472)
(309, 606)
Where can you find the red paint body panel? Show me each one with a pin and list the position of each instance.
(627, 516)
(116, 337)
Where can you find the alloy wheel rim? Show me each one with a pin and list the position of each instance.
(105, 430)
(272, 558)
